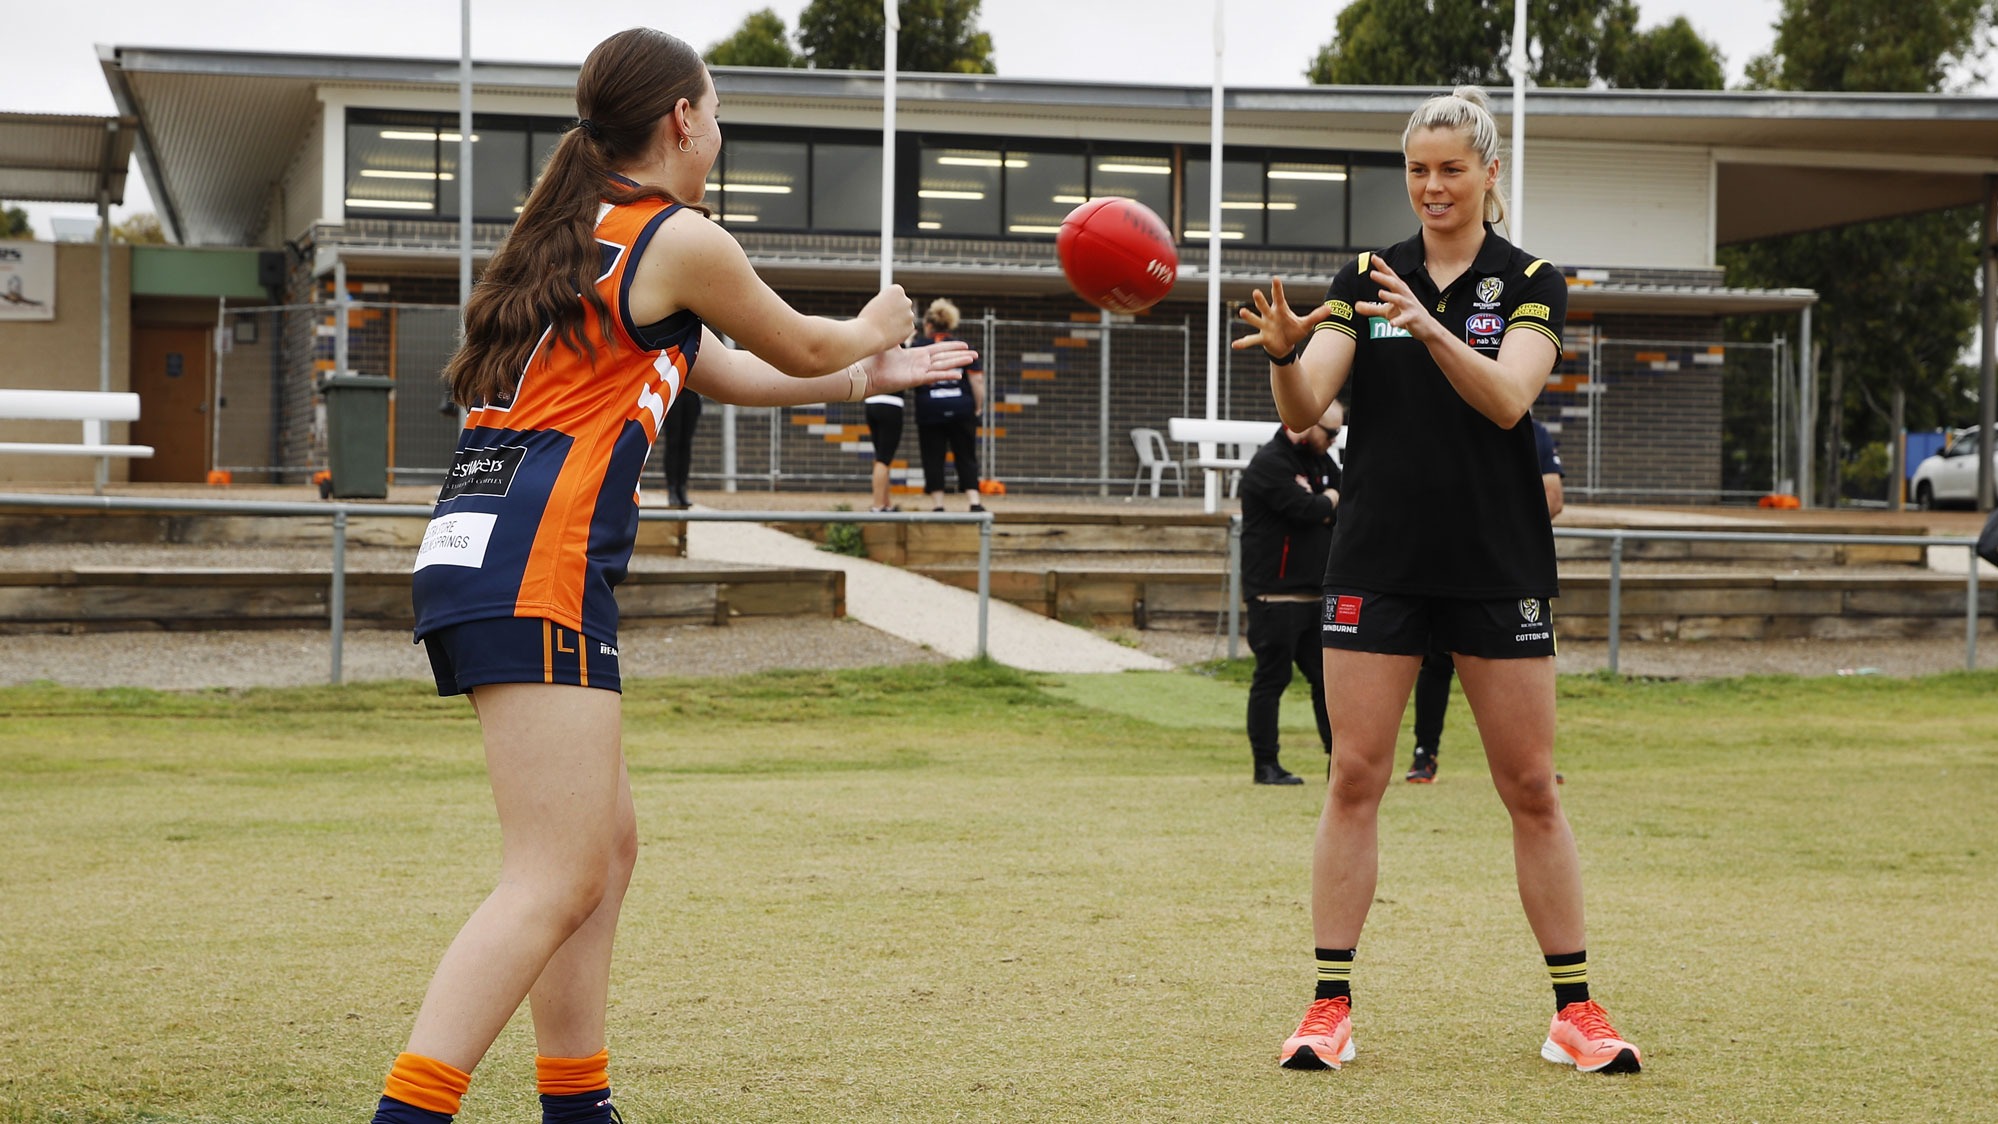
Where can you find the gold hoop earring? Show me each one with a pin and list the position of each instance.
(686, 144)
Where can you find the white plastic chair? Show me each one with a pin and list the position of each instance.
(1154, 457)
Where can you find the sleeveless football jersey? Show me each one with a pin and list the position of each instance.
(540, 510)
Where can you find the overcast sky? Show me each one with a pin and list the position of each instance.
(53, 67)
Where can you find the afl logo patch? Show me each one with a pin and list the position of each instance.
(1489, 289)
(1485, 324)
(1529, 610)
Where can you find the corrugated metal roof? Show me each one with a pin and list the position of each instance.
(59, 158)
(218, 150)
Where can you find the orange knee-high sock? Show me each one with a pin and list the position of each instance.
(562, 1077)
(427, 1083)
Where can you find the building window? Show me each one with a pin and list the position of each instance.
(1381, 214)
(499, 173)
(1041, 189)
(405, 165)
(392, 164)
(762, 184)
(846, 187)
(957, 191)
(1145, 177)
(1304, 204)
(1241, 200)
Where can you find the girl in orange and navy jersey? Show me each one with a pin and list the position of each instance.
(591, 319)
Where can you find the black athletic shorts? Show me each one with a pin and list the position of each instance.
(884, 429)
(1356, 620)
(519, 650)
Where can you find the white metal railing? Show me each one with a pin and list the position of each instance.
(1616, 537)
(336, 596)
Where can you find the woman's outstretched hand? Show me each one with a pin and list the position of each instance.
(1278, 330)
(1398, 304)
(900, 368)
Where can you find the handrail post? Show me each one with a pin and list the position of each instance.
(1970, 615)
(336, 601)
(1615, 600)
(1234, 583)
(984, 577)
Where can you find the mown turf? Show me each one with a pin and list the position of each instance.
(960, 892)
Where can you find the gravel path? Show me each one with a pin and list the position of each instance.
(297, 657)
(292, 657)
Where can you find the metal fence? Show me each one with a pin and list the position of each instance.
(336, 595)
(1672, 420)
(269, 416)
(337, 580)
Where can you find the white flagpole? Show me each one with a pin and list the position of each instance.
(1215, 339)
(464, 159)
(1516, 220)
(894, 26)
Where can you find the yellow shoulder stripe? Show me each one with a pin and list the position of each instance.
(1537, 263)
(1364, 267)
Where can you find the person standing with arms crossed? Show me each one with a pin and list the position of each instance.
(1443, 541)
(1432, 684)
(599, 310)
(947, 414)
(1290, 496)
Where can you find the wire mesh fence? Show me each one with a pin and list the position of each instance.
(1672, 421)
(1639, 420)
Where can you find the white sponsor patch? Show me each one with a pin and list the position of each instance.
(458, 539)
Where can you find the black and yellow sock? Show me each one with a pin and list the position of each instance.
(1335, 974)
(1570, 973)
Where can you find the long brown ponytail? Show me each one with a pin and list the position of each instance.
(548, 265)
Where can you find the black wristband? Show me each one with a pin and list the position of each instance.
(1287, 360)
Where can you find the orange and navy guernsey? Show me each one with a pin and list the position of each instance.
(539, 513)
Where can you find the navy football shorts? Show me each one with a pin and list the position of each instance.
(1356, 620)
(519, 650)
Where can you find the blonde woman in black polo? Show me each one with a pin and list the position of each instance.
(1443, 538)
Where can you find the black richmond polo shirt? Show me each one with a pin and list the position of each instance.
(1438, 500)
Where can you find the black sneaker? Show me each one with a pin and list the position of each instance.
(1423, 769)
(1273, 773)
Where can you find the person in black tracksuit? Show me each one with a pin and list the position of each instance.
(678, 437)
(1290, 499)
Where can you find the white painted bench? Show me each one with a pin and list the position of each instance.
(1241, 439)
(95, 409)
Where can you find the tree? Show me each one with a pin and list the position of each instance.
(762, 40)
(1452, 42)
(140, 229)
(1672, 56)
(937, 36)
(14, 223)
(1898, 297)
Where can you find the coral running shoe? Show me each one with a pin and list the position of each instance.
(1581, 1036)
(1324, 1040)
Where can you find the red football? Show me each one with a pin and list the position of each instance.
(1117, 254)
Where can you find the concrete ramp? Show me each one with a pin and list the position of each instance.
(916, 609)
